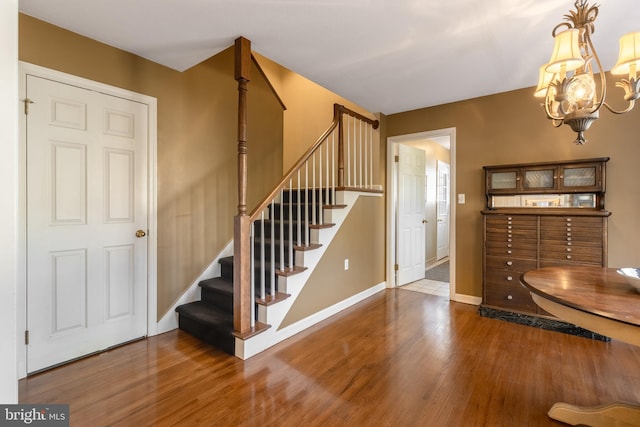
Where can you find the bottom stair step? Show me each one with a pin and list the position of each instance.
(208, 323)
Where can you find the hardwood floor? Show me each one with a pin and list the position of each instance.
(400, 358)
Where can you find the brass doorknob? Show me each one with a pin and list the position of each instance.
(140, 233)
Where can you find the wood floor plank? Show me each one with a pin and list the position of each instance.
(400, 358)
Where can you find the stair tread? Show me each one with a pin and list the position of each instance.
(309, 247)
(218, 284)
(207, 314)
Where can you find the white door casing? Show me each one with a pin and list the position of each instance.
(443, 205)
(411, 227)
(86, 197)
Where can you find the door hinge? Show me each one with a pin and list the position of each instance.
(27, 101)
(26, 337)
(395, 267)
(396, 159)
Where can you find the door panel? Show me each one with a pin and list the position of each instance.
(411, 229)
(86, 197)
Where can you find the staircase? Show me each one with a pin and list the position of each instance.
(211, 318)
(279, 243)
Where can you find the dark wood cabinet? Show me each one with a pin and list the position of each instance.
(519, 241)
(544, 215)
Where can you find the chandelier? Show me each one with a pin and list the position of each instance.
(567, 81)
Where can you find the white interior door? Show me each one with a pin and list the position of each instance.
(411, 227)
(86, 199)
(443, 207)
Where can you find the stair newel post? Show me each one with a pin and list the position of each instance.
(337, 114)
(242, 224)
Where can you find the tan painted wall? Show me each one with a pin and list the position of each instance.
(197, 116)
(330, 283)
(511, 128)
(309, 109)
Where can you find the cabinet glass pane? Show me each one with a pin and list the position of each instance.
(538, 178)
(503, 180)
(579, 177)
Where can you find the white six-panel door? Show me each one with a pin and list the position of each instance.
(411, 228)
(86, 200)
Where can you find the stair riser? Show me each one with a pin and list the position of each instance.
(286, 231)
(258, 248)
(227, 272)
(218, 299)
(321, 196)
(293, 213)
(225, 341)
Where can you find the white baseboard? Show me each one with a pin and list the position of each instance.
(170, 319)
(467, 299)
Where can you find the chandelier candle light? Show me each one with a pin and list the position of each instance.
(567, 81)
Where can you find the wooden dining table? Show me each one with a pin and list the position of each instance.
(598, 299)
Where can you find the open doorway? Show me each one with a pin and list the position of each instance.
(438, 148)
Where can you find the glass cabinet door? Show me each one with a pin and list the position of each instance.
(539, 179)
(582, 177)
(504, 180)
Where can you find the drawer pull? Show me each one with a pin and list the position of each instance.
(569, 234)
(509, 263)
(568, 249)
(568, 239)
(509, 240)
(510, 252)
(509, 227)
(509, 278)
(509, 245)
(568, 256)
(509, 218)
(509, 297)
(568, 219)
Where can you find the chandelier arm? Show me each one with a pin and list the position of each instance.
(603, 80)
(632, 103)
(563, 26)
(555, 118)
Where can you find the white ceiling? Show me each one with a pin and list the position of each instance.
(387, 56)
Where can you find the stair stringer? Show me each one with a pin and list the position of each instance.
(274, 314)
